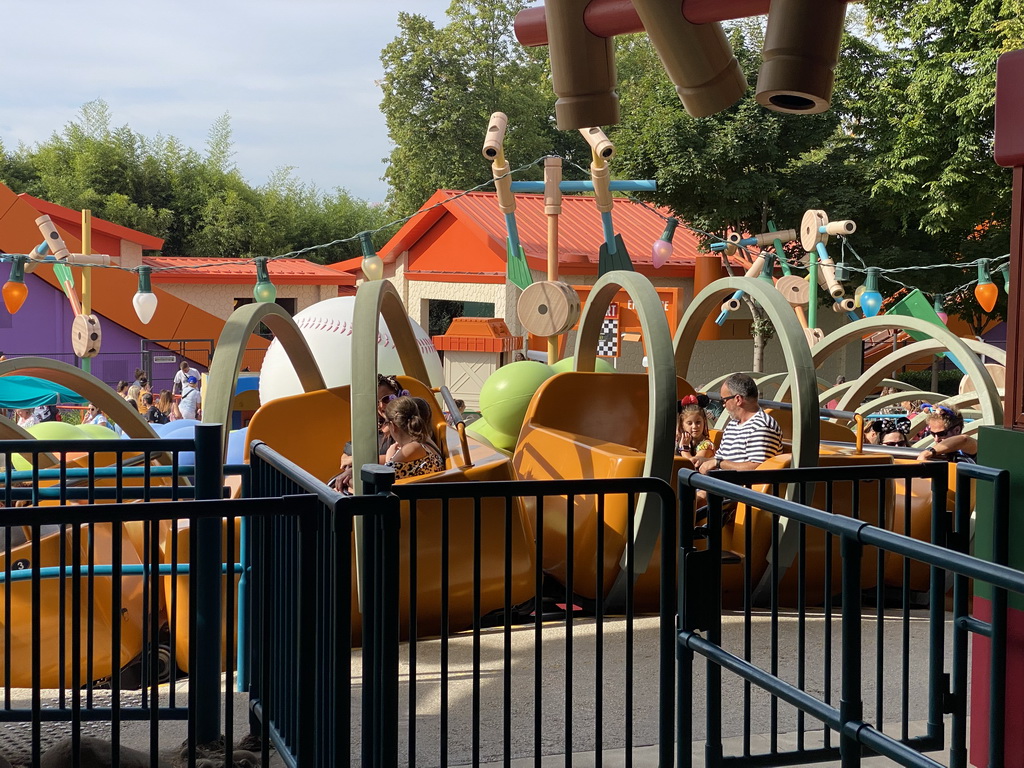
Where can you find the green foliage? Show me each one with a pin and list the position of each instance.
(949, 381)
(441, 86)
(199, 204)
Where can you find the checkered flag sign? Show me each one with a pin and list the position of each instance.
(608, 342)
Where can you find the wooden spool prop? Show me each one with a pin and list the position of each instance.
(548, 308)
(86, 336)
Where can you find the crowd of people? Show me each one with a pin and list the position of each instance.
(183, 401)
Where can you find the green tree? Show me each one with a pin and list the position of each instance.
(199, 203)
(440, 87)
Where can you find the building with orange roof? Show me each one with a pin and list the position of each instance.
(454, 250)
(193, 302)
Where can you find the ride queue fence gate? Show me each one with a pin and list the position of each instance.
(844, 730)
(99, 595)
(445, 694)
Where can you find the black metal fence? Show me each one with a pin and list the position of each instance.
(449, 571)
(491, 621)
(848, 560)
(107, 607)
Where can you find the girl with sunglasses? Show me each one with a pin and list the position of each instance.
(945, 425)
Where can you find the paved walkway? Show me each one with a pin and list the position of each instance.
(580, 737)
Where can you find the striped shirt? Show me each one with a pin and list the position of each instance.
(757, 439)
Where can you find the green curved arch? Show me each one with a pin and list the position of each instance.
(794, 347)
(374, 299)
(85, 384)
(661, 388)
(857, 330)
(661, 374)
(227, 359)
(716, 383)
(988, 397)
(897, 397)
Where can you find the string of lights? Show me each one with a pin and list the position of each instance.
(14, 292)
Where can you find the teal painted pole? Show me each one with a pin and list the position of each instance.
(588, 186)
(207, 562)
(778, 250)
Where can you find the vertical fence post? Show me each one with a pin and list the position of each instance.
(380, 621)
(851, 704)
(207, 562)
(307, 642)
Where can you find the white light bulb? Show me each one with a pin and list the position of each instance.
(373, 267)
(145, 305)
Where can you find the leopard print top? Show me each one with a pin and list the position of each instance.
(432, 462)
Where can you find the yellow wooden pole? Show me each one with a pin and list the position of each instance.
(552, 209)
(86, 276)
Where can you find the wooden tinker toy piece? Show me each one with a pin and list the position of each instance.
(86, 335)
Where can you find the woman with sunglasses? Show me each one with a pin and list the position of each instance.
(945, 425)
(891, 432)
(388, 389)
(94, 415)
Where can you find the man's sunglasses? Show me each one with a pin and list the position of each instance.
(943, 434)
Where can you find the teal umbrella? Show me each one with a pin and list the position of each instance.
(31, 392)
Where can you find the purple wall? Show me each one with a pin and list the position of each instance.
(42, 328)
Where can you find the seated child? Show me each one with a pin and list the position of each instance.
(414, 451)
(692, 438)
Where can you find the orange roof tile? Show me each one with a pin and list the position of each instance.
(148, 242)
(580, 234)
(184, 269)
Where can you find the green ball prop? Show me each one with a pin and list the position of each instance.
(55, 430)
(506, 394)
(481, 430)
(600, 366)
(97, 431)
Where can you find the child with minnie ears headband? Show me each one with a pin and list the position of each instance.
(692, 437)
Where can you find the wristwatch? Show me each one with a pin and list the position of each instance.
(718, 462)
(932, 451)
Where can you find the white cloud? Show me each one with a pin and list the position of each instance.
(297, 77)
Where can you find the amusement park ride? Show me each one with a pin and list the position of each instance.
(582, 422)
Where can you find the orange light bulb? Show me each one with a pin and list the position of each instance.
(986, 294)
(14, 295)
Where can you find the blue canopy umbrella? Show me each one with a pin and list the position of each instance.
(31, 392)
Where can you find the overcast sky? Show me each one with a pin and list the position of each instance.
(296, 76)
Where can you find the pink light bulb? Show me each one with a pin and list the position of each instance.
(661, 252)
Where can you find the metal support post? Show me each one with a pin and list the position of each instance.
(207, 561)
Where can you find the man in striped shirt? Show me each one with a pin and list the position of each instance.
(751, 437)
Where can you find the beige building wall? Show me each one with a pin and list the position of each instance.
(219, 299)
(131, 254)
(711, 359)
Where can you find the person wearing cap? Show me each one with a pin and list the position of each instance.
(189, 403)
(181, 377)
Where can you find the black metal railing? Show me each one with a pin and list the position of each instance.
(304, 601)
(452, 602)
(563, 641)
(868, 559)
(107, 604)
